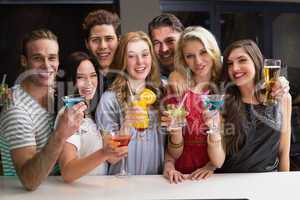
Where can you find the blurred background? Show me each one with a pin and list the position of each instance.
(274, 25)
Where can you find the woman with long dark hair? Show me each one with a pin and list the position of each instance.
(84, 152)
(257, 137)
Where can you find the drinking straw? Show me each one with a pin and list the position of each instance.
(3, 79)
(130, 90)
(182, 101)
(206, 92)
(185, 96)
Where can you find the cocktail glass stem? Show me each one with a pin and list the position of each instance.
(214, 126)
(123, 171)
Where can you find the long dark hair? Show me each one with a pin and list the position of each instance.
(234, 108)
(72, 65)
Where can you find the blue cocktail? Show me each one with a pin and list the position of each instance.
(71, 100)
(213, 102)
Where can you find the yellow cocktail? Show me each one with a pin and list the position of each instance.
(145, 99)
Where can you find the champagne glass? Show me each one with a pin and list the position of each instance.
(116, 139)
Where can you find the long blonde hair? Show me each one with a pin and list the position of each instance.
(119, 65)
(198, 33)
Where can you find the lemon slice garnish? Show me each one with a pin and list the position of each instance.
(148, 96)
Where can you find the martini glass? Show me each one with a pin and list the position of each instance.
(213, 102)
(71, 100)
(178, 115)
(115, 140)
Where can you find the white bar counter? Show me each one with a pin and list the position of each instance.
(253, 186)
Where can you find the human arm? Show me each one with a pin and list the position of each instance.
(175, 143)
(33, 166)
(170, 172)
(73, 167)
(175, 139)
(285, 134)
(203, 172)
(215, 148)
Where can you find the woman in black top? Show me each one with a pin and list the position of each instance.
(256, 137)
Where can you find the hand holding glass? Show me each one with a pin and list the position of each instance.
(141, 102)
(115, 140)
(71, 100)
(213, 102)
(178, 115)
(271, 74)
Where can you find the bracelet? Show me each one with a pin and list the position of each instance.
(174, 145)
(209, 141)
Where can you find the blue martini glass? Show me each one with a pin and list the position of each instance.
(71, 100)
(213, 102)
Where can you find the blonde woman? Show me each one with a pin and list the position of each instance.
(138, 69)
(198, 62)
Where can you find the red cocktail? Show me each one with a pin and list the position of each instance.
(122, 139)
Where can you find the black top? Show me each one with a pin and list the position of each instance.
(260, 151)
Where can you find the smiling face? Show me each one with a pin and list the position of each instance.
(138, 60)
(103, 43)
(164, 41)
(241, 68)
(198, 59)
(42, 58)
(86, 79)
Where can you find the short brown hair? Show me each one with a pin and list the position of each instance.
(165, 20)
(37, 35)
(100, 17)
